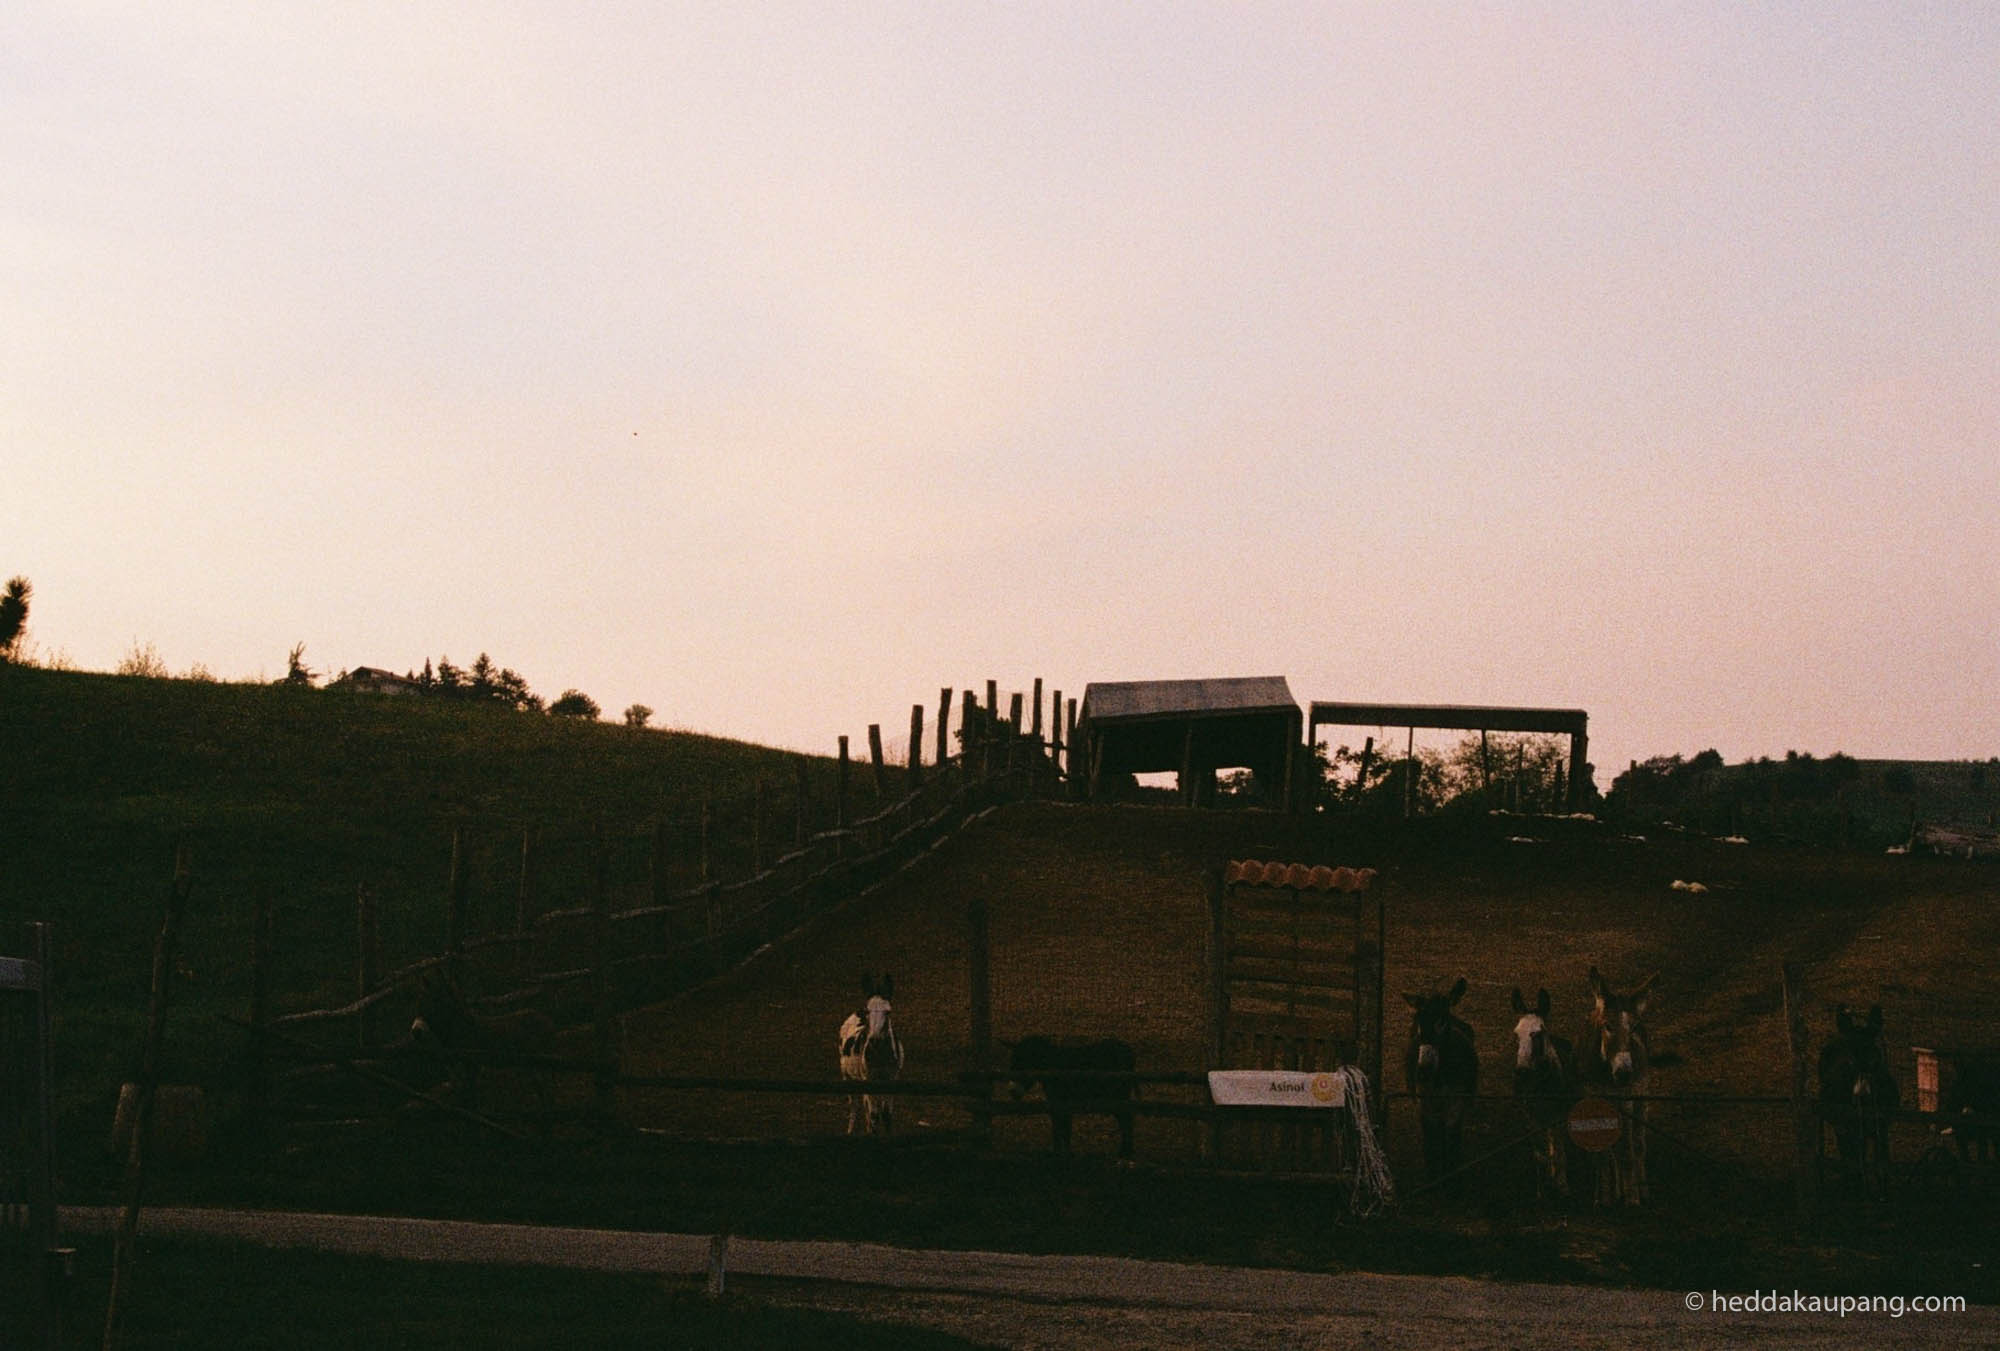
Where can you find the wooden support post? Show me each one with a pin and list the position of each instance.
(1485, 772)
(1367, 756)
(1069, 740)
(993, 701)
(875, 758)
(1035, 728)
(944, 720)
(968, 725)
(1187, 765)
(1409, 773)
(1805, 1114)
(367, 962)
(1013, 732)
(916, 764)
(1579, 751)
(1056, 742)
(980, 1002)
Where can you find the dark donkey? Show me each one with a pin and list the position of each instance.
(1613, 1060)
(1442, 1069)
(1049, 1060)
(1857, 1095)
(1545, 1086)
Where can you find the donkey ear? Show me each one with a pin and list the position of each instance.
(1542, 1003)
(1414, 1001)
(1597, 985)
(1520, 1004)
(888, 986)
(1458, 990)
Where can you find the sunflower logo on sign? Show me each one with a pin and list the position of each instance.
(1324, 1088)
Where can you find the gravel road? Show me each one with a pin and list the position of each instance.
(1018, 1300)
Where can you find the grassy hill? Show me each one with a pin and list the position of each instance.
(301, 796)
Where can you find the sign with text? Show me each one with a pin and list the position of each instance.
(1277, 1088)
(1594, 1125)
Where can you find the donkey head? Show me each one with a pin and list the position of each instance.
(1619, 1020)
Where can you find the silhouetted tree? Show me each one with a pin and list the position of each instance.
(574, 704)
(638, 715)
(14, 616)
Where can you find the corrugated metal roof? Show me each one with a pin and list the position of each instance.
(1111, 701)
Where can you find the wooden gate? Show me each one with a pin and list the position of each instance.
(1295, 959)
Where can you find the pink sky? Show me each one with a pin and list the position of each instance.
(775, 366)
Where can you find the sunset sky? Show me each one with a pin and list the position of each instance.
(777, 365)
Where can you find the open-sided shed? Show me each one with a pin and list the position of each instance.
(1192, 728)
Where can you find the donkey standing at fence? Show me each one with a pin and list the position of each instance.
(447, 1026)
(1857, 1095)
(1442, 1068)
(871, 1052)
(1613, 1060)
(1545, 1086)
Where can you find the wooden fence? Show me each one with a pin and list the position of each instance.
(583, 964)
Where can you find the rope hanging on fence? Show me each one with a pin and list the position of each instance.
(1374, 1185)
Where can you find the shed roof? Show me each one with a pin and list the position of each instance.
(1134, 700)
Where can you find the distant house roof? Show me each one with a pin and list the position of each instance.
(1135, 700)
(375, 680)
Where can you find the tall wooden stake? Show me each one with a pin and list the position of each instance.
(143, 1091)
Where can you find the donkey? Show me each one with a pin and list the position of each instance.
(1545, 1086)
(1613, 1060)
(447, 1026)
(1441, 1068)
(1857, 1094)
(871, 1052)
(1047, 1060)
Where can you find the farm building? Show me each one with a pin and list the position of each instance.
(372, 680)
(1191, 728)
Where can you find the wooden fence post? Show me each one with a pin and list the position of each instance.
(524, 908)
(1013, 731)
(799, 801)
(1056, 742)
(1805, 1115)
(916, 748)
(875, 757)
(1216, 1051)
(968, 734)
(944, 721)
(126, 1237)
(602, 994)
(840, 804)
(980, 1001)
(367, 962)
(1069, 741)
(1036, 728)
(257, 1089)
(454, 907)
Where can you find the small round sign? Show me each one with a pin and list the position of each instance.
(1594, 1125)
